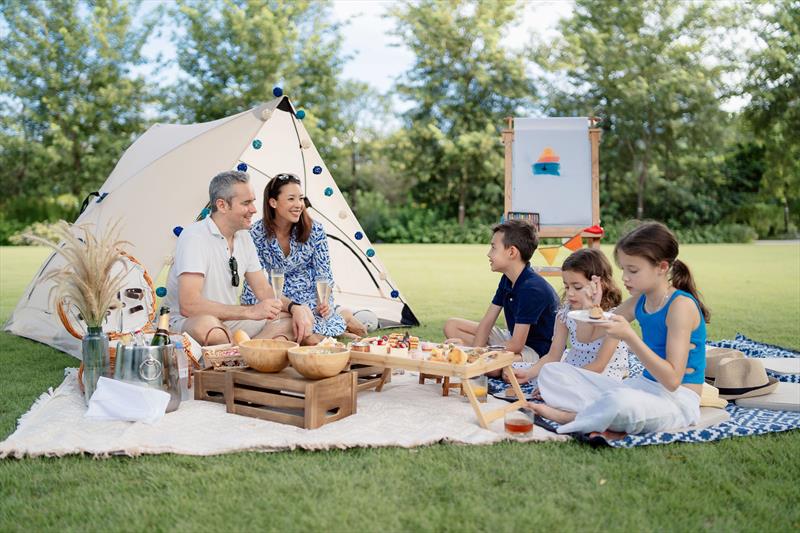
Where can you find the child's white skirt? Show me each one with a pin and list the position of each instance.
(636, 405)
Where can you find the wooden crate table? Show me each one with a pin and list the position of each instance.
(285, 397)
(434, 368)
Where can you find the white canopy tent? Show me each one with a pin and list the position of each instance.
(161, 183)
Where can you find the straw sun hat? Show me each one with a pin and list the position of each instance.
(743, 378)
(710, 397)
(714, 356)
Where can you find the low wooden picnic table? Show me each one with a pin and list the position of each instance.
(502, 361)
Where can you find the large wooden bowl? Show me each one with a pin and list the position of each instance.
(266, 355)
(318, 362)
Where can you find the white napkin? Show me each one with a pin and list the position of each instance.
(116, 400)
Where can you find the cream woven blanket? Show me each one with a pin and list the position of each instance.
(405, 414)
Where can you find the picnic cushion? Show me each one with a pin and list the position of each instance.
(785, 398)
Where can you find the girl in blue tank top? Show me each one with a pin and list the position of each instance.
(672, 347)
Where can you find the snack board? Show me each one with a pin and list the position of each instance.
(487, 362)
(436, 368)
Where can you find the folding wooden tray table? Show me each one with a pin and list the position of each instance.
(502, 361)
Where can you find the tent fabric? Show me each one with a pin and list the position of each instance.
(161, 182)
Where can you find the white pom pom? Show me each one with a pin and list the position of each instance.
(169, 260)
(305, 144)
(266, 114)
(342, 214)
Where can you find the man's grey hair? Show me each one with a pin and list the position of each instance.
(222, 186)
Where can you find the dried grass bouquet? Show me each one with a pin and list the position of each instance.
(86, 281)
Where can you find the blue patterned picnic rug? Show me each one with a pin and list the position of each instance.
(743, 421)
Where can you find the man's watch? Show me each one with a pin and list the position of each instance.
(289, 307)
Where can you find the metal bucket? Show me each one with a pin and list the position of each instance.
(150, 366)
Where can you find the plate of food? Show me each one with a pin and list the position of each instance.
(595, 315)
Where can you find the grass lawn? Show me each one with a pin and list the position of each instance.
(736, 484)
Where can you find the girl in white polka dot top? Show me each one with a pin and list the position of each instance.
(602, 354)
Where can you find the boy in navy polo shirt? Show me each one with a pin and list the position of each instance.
(527, 300)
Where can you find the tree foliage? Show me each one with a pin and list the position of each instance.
(71, 103)
(773, 84)
(644, 68)
(461, 85)
(231, 54)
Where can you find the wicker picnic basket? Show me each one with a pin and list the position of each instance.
(222, 356)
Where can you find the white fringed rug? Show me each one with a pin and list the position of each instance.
(405, 414)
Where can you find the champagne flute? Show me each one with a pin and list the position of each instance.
(276, 279)
(323, 291)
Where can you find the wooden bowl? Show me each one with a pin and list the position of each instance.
(318, 362)
(266, 355)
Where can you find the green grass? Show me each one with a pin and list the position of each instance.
(736, 484)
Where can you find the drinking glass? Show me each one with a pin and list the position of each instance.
(519, 423)
(276, 279)
(323, 291)
(480, 387)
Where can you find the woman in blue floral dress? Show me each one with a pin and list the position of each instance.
(288, 238)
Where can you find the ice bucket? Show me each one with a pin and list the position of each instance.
(150, 366)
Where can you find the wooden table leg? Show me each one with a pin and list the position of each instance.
(386, 373)
(466, 386)
(484, 419)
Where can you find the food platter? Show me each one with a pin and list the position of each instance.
(582, 315)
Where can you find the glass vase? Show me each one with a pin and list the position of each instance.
(95, 360)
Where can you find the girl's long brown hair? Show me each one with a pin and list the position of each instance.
(656, 243)
(591, 262)
(302, 227)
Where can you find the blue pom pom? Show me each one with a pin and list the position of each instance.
(317, 170)
(161, 292)
(277, 91)
(242, 167)
(177, 230)
(300, 114)
(328, 191)
(359, 235)
(256, 144)
(394, 294)
(370, 252)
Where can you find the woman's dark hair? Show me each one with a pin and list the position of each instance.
(302, 227)
(656, 243)
(592, 262)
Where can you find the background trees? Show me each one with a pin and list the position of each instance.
(462, 84)
(773, 84)
(643, 68)
(76, 90)
(71, 102)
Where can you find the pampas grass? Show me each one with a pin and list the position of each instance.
(86, 281)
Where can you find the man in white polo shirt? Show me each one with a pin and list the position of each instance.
(211, 257)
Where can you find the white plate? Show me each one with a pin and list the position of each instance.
(582, 315)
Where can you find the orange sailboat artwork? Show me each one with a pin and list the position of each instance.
(548, 163)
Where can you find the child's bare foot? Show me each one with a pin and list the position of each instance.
(551, 413)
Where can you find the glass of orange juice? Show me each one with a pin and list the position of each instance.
(480, 386)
